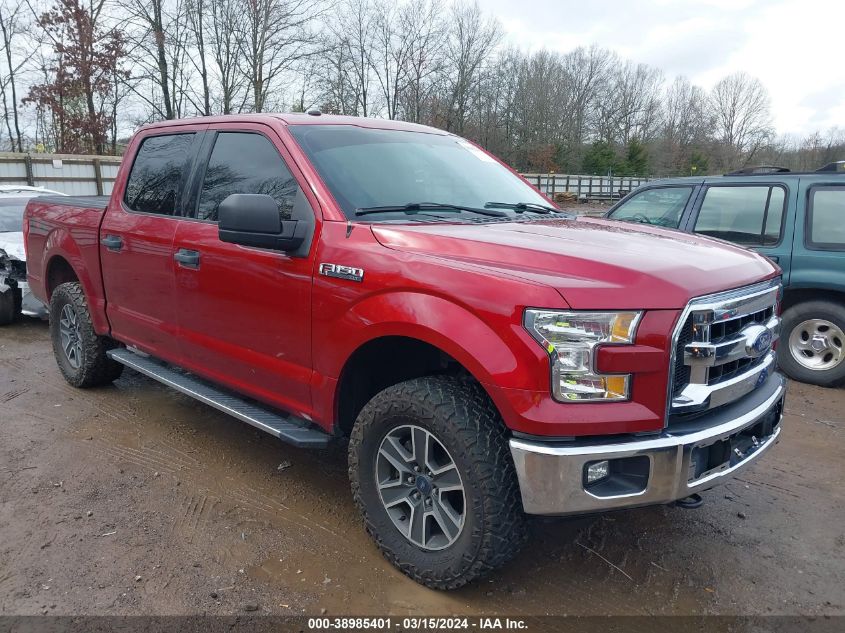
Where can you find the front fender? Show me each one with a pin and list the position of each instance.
(494, 348)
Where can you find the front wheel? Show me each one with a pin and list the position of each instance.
(812, 347)
(432, 476)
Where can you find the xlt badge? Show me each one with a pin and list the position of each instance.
(342, 272)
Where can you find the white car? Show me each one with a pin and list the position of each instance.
(15, 297)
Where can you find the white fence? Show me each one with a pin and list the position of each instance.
(74, 175)
(95, 175)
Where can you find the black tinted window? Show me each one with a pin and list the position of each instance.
(245, 163)
(827, 218)
(662, 206)
(155, 182)
(751, 215)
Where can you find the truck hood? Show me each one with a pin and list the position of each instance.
(594, 264)
(12, 244)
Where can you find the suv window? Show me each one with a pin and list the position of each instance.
(155, 181)
(826, 218)
(662, 206)
(244, 162)
(748, 215)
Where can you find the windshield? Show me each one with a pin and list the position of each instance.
(366, 169)
(11, 214)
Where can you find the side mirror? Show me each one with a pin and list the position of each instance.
(252, 219)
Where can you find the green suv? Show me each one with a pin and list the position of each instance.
(795, 219)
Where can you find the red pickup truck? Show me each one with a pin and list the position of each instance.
(487, 355)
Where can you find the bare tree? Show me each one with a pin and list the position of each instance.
(195, 12)
(276, 35)
(741, 109)
(352, 30)
(158, 35)
(423, 24)
(471, 41)
(12, 26)
(225, 25)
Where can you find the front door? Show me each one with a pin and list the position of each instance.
(136, 241)
(244, 313)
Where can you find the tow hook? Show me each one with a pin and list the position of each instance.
(691, 502)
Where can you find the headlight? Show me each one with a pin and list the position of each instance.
(570, 338)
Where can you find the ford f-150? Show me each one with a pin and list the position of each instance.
(487, 355)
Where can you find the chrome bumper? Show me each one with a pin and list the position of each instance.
(552, 477)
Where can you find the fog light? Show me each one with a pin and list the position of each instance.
(597, 471)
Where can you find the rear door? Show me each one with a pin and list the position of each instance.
(758, 215)
(136, 240)
(244, 313)
(819, 259)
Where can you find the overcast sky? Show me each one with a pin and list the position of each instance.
(793, 47)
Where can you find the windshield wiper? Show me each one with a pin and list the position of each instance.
(413, 208)
(522, 207)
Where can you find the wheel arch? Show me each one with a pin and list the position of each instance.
(794, 296)
(384, 361)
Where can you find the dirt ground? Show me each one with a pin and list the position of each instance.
(133, 499)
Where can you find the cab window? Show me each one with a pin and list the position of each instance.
(245, 162)
(156, 180)
(661, 206)
(747, 215)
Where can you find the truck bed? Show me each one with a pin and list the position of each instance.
(86, 202)
(63, 239)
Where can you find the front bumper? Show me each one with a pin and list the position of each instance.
(654, 470)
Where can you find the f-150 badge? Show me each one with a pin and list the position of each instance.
(342, 272)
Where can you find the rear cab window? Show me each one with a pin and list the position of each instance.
(158, 174)
(660, 206)
(826, 218)
(750, 215)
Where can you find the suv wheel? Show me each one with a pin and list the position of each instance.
(432, 476)
(79, 351)
(813, 343)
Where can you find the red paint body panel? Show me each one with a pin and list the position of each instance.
(268, 325)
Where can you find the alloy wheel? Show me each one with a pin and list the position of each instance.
(420, 487)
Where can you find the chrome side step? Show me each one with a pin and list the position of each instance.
(287, 428)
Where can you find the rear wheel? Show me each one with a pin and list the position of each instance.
(79, 351)
(812, 347)
(432, 475)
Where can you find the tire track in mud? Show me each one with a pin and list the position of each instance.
(14, 393)
(251, 498)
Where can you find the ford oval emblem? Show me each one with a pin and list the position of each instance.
(758, 340)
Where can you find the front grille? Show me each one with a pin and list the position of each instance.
(681, 377)
(714, 331)
(727, 329)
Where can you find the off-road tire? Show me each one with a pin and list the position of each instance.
(9, 310)
(794, 316)
(462, 417)
(95, 368)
